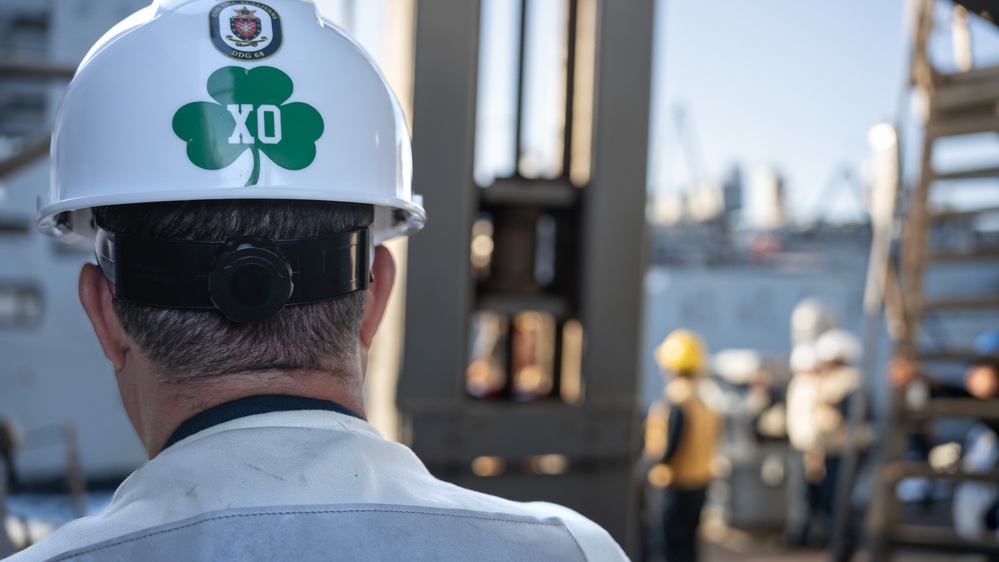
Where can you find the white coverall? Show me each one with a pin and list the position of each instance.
(312, 485)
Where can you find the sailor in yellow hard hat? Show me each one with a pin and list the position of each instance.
(681, 433)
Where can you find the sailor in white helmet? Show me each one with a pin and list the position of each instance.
(819, 396)
(237, 165)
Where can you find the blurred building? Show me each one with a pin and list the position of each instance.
(54, 377)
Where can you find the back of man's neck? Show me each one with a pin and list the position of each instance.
(177, 403)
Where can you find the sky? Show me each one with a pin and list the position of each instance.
(795, 85)
(792, 85)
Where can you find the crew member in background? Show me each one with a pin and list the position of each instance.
(822, 384)
(976, 504)
(681, 434)
(237, 166)
(10, 441)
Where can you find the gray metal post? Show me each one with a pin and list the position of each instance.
(449, 428)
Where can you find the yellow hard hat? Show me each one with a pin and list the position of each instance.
(682, 352)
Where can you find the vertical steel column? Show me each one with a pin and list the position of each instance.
(439, 277)
(615, 234)
(614, 220)
(450, 429)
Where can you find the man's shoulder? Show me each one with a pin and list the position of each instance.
(596, 542)
(203, 480)
(356, 531)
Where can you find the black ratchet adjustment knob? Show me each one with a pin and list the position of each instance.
(251, 280)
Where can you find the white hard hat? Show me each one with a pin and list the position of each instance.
(803, 358)
(837, 345)
(202, 99)
(737, 366)
(810, 318)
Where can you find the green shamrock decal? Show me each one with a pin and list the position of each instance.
(250, 114)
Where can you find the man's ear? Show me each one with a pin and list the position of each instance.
(383, 273)
(98, 302)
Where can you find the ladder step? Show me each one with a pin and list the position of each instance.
(962, 125)
(898, 470)
(942, 538)
(984, 253)
(960, 303)
(965, 213)
(966, 94)
(957, 408)
(968, 89)
(976, 173)
(974, 75)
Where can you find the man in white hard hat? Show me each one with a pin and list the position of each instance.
(823, 383)
(237, 165)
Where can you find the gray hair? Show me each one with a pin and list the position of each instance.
(193, 345)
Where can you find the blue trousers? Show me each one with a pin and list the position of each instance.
(681, 516)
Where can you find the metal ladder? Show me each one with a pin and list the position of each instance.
(965, 102)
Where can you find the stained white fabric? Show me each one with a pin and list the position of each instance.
(321, 459)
